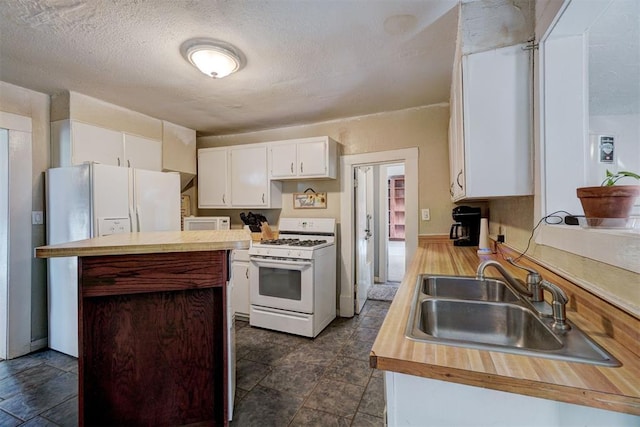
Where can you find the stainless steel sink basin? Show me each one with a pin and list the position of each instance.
(485, 323)
(447, 311)
(467, 288)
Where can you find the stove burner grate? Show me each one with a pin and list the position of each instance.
(293, 242)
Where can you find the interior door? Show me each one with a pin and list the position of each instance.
(364, 233)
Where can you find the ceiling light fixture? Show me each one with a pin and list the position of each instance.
(212, 57)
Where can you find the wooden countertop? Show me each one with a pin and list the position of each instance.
(616, 389)
(150, 242)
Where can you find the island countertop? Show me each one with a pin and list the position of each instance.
(150, 242)
(616, 389)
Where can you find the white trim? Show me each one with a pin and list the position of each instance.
(15, 122)
(408, 156)
(383, 223)
(16, 290)
(618, 248)
(39, 344)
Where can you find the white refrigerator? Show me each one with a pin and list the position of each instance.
(92, 200)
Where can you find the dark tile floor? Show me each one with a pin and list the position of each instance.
(282, 379)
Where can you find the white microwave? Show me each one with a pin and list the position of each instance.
(207, 223)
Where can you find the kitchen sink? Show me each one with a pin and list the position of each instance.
(447, 311)
(467, 288)
(485, 323)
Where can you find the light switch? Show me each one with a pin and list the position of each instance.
(37, 218)
(426, 216)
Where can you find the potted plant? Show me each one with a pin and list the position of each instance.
(609, 200)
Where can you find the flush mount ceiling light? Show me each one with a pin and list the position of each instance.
(214, 58)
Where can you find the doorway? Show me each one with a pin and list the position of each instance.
(356, 257)
(380, 231)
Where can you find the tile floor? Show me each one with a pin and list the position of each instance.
(282, 379)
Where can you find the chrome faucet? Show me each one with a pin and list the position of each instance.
(513, 284)
(534, 294)
(533, 281)
(558, 305)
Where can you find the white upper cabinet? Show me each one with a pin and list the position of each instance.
(305, 158)
(75, 142)
(236, 177)
(93, 143)
(249, 176)
(142, 153)
(490, 136)
(213, 187)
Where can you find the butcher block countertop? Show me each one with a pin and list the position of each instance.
(616, 389)
(150, 242)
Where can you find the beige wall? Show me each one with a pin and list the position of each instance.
(24, 102)
(424, 127)
(76, 106)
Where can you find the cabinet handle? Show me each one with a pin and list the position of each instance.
(291, 167)
(301, 167)
(118, 161)
(458, 179)
(246, 273)
(128, 163)
(223, 201)
(262, 197)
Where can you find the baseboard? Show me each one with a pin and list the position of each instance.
(39, 344)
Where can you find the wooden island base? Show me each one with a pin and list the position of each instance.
(152, 339)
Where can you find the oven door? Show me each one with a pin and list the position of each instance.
(284, 284)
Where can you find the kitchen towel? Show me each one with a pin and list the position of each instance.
(483, 244)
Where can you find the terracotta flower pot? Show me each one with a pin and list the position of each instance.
(614, 201)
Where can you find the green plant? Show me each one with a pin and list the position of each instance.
(612, 178)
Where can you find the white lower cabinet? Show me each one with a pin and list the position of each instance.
(240, 282)
(417, 401)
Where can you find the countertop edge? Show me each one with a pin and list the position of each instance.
(556, 392)
(392, 351)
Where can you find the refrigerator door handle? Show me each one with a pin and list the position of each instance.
(138, 217)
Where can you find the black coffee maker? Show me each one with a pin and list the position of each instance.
(466, 229)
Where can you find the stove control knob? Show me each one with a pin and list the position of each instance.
(299, 254)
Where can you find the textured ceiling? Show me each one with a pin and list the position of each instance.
(307, 60)
(614, 60)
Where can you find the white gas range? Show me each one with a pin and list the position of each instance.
(292, 279)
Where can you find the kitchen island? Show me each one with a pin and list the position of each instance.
(436, 384)
(152, 326)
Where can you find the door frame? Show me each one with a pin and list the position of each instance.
(15, 288)
(408, 156)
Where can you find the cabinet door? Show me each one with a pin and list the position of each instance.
(142, 153)
(456, 136)
(212, 178)
(95, 144)
(283, 160)
(497, 123)
(240, 288)
(249, 176)
(312, 158)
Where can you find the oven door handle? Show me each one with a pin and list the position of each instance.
(288, 265)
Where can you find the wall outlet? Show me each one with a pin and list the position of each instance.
(501, 234)
(426, 215)
(37, 218)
